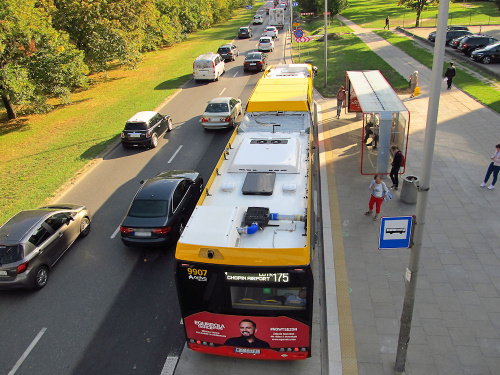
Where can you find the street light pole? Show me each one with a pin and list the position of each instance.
(423, 189)
(326, 40)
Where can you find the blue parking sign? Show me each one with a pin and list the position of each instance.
(249, 6)
(395, 232)
(295, 4)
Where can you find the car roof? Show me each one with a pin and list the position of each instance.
(222, 99)
(158, 188)
(20, 224)
(144, 116)
(244, 27)
(227, 45)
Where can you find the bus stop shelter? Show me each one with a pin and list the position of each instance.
(384, 115)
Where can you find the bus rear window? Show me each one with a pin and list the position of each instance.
(265, 298)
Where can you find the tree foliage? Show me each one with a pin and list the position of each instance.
(37, 62)
(318, 6)
(417, 5)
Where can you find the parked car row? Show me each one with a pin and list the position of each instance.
(481, 48)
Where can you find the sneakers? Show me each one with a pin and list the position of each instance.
(395, 188)
(491, 187)
(483, 184)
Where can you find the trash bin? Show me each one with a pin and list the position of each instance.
(409, 189)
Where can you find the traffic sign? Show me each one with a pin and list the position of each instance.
(297, 24)
(249, 6)
(304, 39)
(298, 33)
(395, 232)
(295, 4)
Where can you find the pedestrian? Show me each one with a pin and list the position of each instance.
(413, 78)
(340, 100)
(494, 168)
(379, 192)
(449, 74)
(386, 23)
(397, 163)
(372, 128)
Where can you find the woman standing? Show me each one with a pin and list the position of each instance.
(397, 160)
(413, 82)
(340, 100)
(494, 168)
(379, 191)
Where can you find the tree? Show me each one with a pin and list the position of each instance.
(417, 5)
(36, 61)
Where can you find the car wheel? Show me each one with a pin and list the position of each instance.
(170, 126)
(41, 277)
(154, 141)
(84, 227)
(216, 78)
(486, 60)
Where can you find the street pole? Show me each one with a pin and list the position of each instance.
(423, 189)
(326, 40)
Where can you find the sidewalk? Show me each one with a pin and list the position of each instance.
(456, 322)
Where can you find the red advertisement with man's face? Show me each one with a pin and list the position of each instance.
(254, 332)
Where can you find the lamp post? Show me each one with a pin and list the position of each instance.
(326, 41)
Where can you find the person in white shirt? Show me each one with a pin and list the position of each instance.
(494, 168)
(379, 191)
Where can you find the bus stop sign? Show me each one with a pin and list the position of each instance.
(395, 232)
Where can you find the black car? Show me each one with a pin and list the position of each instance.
(244, 32)
(32, 241)
(228, 52)
(161, 208)
(255, 61)
(472, 42)
(450, 35)
(454, 43)
(487, 54)
(144, 129)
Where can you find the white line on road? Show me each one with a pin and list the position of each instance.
(235, 74)
(222, 91)
(27, 352)
(173, 156)
(115, 232)
(169, 366)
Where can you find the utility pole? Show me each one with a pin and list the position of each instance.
(326, 40)
(423, 189)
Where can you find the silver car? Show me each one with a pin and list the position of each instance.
(32, 241)
(221, 113)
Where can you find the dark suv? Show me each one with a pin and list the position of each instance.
(228, 52)
(144, 129)
(244, 32)
(473, 42)
(450, 35)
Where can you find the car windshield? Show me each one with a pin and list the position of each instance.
(10, 254)
(253, 56)
(136, 126)
(217, 107)
(148, 208)
(265, 40)
(223, 50)
(244, 29)
(269, 29)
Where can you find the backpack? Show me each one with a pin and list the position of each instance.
(403, 161)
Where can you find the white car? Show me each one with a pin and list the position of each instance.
(266, 43)
(271, 31)
(221, 113)
(258, 20)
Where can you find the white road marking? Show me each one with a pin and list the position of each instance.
(27, 352)
(173, 156)
(115, 232)
(222, 91)
(235, 74)
(169, 366)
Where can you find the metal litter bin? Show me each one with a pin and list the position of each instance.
(409, 189)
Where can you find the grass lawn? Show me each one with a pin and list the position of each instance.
(345, 52)
(487, 95)
(40, 153)
(372, 14)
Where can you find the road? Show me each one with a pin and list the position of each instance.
(108, 309)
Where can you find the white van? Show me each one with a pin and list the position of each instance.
(208, 66)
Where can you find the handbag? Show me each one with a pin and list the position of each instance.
(388, 196)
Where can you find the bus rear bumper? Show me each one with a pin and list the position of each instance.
(230, 351)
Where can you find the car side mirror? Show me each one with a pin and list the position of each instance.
(142, 181)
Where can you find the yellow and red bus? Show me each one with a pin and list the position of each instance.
(243, 261)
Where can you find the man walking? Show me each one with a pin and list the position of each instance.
(450, 73)
(340, 100)
(386, 23)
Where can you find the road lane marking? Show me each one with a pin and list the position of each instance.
(115, 232)
(222, 91)
(27, 352)
(169, 366)
(235, 74)
(175, 153)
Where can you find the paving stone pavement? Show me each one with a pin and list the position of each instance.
(456, 322)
